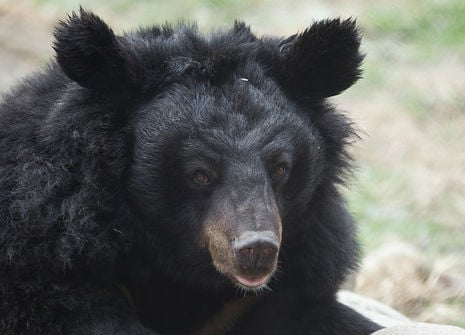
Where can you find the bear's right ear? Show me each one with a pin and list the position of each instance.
(88, 52)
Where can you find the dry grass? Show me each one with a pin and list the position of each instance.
(399, 275)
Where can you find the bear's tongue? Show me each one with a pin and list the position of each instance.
(251, 281)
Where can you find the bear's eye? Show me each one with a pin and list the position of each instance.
(279, 170)
(201, 177)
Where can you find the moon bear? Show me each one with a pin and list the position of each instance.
(169, 182)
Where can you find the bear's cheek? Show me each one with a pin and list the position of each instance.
(216, 241)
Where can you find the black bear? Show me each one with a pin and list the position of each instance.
(167, 182)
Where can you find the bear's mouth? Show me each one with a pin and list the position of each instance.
(252, 282)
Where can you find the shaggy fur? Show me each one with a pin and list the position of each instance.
(101, 227)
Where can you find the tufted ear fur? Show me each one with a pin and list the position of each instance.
(88, 52)
(322, 61)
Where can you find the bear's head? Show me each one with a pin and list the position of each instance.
(231, 136)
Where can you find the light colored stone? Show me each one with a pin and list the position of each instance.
(373, 310)
(420, 329)
(396, 323)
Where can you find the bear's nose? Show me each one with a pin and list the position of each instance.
(256, 252)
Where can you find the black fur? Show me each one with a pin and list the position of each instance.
(328, 53)
(100, 224)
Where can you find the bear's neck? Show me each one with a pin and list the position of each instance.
(165, 306)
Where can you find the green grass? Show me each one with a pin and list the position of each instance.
(421, 28)
(380, 202)
(209, 13)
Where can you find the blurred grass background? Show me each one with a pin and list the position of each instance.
(410, 106)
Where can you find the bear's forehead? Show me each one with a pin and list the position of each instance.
(236, 113)
(245, 112)
(240, 103)
(251, 125)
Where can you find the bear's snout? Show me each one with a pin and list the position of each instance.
(242, 233)
(256, 254)
(256, 251)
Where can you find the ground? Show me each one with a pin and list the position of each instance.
(410, 108)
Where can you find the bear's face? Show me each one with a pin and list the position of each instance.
(230, 135)
(218, 176)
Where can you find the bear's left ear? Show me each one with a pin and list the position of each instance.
(322, 61)
(89, 53)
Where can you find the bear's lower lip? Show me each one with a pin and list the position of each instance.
(252, 281)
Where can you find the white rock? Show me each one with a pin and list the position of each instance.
(421, 329)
